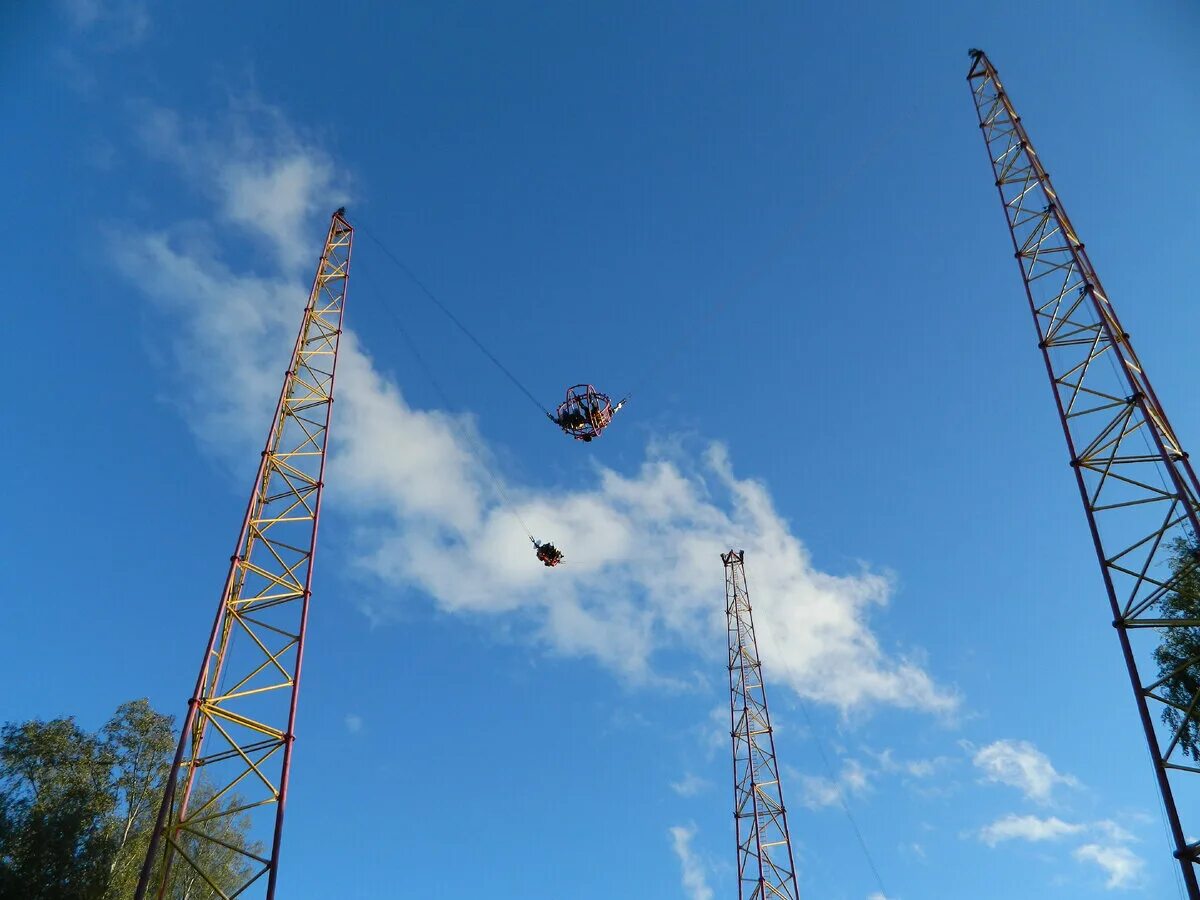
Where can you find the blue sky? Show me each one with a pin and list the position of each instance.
(776, 227)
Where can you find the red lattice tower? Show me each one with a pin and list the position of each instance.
(764, 849)
(1138, 488)
(218, 830)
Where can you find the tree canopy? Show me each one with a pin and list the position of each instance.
(1178, 653)
(77, 809)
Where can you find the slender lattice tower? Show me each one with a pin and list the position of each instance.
(1137, 485)
(218, 829)
(764, 849)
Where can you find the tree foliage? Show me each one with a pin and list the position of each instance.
(56, 805)
(1178, 653)
(77, 810)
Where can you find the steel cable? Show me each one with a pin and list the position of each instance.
(453, 318)
(468, 439)
(840, 795)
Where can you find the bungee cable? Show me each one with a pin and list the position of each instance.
(468, 438)
(841, 797)
(453, 318)
(573, 417)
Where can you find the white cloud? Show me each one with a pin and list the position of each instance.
(876, 896)
(641, 545)
(354, 723)
(1113, 833)
(1026, 828)
(921, 768)
(854, 776)
(690, 785)
(1104, 843)
(82, 13)
(692, 869)
(712, 734)
(1021, 765)
(817, 792)
(274, 194)
(914, 768)
(115, 24)
(857, 779)
(1122, 867)
(262, 174)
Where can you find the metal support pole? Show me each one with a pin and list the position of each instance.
(1138, 488)
(220, 823)
(766, 870)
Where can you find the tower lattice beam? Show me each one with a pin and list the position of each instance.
(218, 830)
(765, 867)
(1138, 488)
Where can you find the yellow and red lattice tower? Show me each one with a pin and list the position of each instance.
(1139, 491)
(218, 830)
(765, 868)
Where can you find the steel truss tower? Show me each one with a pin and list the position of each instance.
(1137, 485)
(218, 829)
(764, 864)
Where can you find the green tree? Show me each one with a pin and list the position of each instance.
(57, 804)
(1178, 653)
(228, 869)
(77, 810)
(141, 743)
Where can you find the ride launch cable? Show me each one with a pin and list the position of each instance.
(468, 439)
(585, 412)
(455, 319)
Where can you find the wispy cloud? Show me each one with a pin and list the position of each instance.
(642, 544)
(114, 24)
(857, 779)
(263, 175)
(692, 869)
(1021, 765)
(690, 785)
(1105, 843)
(818, 791)
(1026, 828)
(1122, 867)
(354, 724)
(714, 731)
(854, 776)
(887, 762)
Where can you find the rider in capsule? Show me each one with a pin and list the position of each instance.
(585, 413)
(572, 419)
(548, 554)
